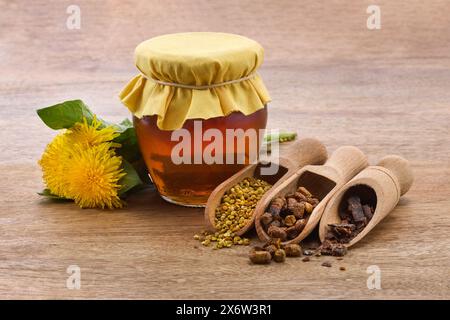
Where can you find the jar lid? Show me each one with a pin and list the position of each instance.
(197, 75)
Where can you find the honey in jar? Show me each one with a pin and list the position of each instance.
(194, 83)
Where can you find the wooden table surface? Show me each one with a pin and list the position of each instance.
(385, 91)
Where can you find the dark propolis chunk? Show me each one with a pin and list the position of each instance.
(355, 207)
(342, 230)
(331, 248)
(354, 219)
(368, 211)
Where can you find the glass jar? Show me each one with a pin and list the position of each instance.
(191, 184)
(191, 80)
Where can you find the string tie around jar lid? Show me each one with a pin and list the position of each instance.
(202, 87)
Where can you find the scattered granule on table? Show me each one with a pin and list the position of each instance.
(225, 240)
(276, 251)
(279, 255)
(308, 252)
(260, 256)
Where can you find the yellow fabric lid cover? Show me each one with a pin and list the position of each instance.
(197, 75)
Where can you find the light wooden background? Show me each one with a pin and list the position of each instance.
(385, 91)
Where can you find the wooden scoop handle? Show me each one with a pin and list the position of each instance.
(401, 169)
(347, 161)
(304, 152)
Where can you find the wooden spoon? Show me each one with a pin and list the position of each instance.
(380, 185)
(322, 181)
(300, 153)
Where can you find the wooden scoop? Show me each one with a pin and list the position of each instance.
(380, 186)
(300, 153)
(322, 181)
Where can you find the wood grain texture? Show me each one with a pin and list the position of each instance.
(384, 91)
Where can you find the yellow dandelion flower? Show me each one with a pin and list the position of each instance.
(81, 164)
(52, 163)
(93, 176)
(90, 135)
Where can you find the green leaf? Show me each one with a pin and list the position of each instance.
(130, 151)
(130, 180)
(128, 139)
(129, 145)
(48, 194)
(282, 137)
(121, 127)
(126, 123)
(64, 115)
(141, 169)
